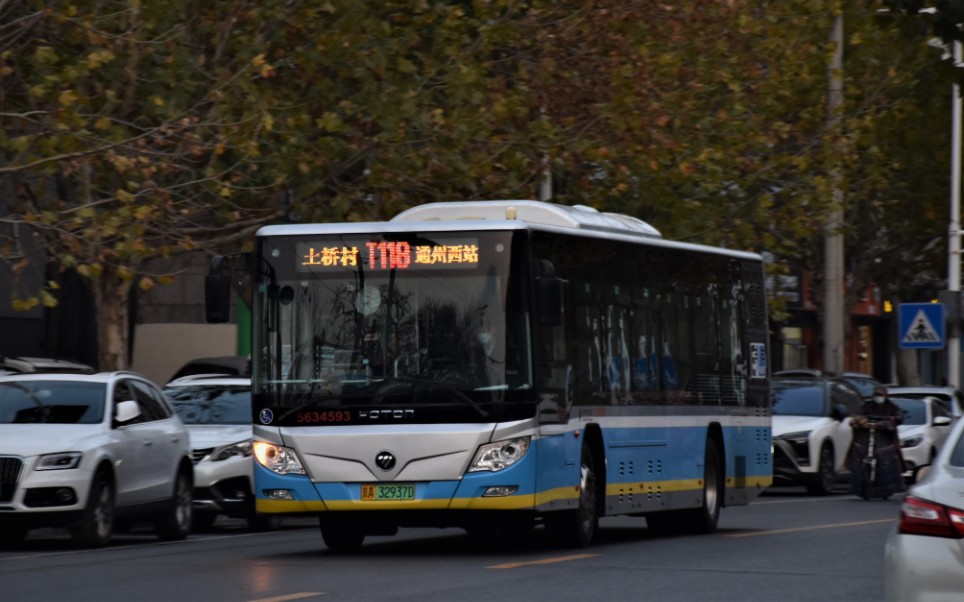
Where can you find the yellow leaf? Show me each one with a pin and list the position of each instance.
(146, 284)
(96, 59)
(124, 196)
(258, 60)
(45, 54)
(25, 304)
(158, 101)
(67, 98)
(143, 212)
(102, 123)
(48, 299)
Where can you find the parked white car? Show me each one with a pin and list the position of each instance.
(217, 411)
(926, 423)
(951, 397)
(83, 450)
(811, 435)
(924, 554)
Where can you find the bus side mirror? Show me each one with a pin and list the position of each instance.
(217, 292)
(550, 291)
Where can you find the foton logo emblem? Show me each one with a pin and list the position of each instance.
(385, 460)
(386, 414)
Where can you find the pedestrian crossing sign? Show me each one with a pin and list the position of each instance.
(921, 326)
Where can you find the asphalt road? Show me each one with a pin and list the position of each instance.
(787, 546)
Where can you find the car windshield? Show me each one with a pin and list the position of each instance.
(51, 402)
(211, 404)
(957, 455)
(913, 411)
(799, 398)
(863, 384)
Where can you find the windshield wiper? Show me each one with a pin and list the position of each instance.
(420, 384)
(44, 410)
(313, 402)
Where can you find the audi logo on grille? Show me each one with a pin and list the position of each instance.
(385, 460)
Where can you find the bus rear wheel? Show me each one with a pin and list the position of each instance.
(341, 536)
(576, 528)
(705, 518)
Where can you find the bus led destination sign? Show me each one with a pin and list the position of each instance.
(387, 255)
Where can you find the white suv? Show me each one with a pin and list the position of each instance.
(811, 435)
(81, 450)
(216, 409)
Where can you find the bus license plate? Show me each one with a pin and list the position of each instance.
(387, 492)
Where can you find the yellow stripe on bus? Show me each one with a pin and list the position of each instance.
(512, 502)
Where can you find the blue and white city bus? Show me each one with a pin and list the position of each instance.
(496, 365)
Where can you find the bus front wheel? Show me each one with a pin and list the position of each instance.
(576, 528)
(341, 537)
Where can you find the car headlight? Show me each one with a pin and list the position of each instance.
(912, 441)
(796, 438)
(277, 458)
(239, 448)
(61, 461)
(499, 455)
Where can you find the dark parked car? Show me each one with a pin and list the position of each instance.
(227, 365)
(864, 383)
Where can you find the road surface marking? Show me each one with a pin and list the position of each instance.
(285, 598)
(811, 528)
(514, 565)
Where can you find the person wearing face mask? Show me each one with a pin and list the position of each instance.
(889, 462)
(880, 406)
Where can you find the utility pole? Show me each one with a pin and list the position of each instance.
(834, 311)
(954, 237)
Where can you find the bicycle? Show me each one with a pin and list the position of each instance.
(869, 464)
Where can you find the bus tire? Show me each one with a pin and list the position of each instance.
(341, 537)
(576, 528)
(703, 519)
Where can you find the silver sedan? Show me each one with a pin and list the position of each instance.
(924, 556)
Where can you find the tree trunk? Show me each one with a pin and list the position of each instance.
(110, 298)
(908, 372)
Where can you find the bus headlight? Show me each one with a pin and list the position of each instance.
(499, 455)
(276, 458)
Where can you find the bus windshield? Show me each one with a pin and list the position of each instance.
(405, 317)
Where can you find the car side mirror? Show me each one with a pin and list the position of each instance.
(942, 421)
(840, 412)
(126, 411)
